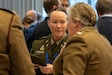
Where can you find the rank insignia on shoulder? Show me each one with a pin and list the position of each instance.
(79, 33)
(42, 47)
(46, 41)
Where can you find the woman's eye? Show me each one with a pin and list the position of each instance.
(54, 22)
(62, 22)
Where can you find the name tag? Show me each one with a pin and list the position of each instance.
(40, 51)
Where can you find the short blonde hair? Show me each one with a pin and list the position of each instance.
(84, 13)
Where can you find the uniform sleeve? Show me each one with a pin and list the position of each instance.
(74, 57)
(32, 51)
(20, 60)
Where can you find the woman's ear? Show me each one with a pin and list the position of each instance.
(76, 23)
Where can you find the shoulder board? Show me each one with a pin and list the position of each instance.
(6, 10)
(81, 32)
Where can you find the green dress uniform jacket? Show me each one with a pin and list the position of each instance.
(14, 56)
(86, 53)
(49, 51)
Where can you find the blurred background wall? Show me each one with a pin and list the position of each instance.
(22, 6)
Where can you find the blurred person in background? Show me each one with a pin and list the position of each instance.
(104, 23)
(28, 29)
(33, 14)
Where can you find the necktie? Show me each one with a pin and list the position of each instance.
(53, 46)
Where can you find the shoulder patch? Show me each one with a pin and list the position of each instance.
(6, 10)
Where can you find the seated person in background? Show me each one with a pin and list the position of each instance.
(58, 24)
(28, 29)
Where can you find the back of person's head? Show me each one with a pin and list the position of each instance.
(51, 4)
(104, 6)
(33, 14)
(84, 13)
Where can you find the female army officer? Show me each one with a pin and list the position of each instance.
(58, 25)
(86, 52)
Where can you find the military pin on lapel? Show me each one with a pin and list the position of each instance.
(63, 46)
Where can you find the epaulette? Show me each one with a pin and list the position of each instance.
(7, 10)
(80, 33)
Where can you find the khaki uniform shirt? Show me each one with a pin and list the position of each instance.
(86, 53)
